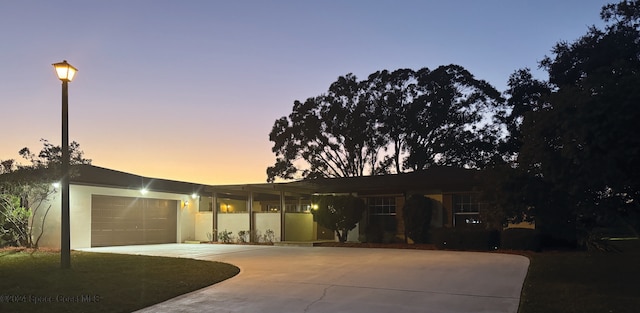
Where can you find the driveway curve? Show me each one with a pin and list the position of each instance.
(323, 279)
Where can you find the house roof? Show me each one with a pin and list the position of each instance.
(98, 176)
(436, 179)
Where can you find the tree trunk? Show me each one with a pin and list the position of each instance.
(342, 237)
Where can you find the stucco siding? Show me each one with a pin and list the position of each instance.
(268, 221)
(203, 226)
(299, 227)
(233, 222)
(80, 214)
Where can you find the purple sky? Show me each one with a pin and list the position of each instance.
(189, 90)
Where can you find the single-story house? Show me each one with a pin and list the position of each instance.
(109, 207)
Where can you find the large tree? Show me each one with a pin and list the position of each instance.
(330, 135)
(391, 93)
(524, 94)
(452, 120)
(391, 122)
(577, 138)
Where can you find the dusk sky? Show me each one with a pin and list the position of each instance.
(189, 90)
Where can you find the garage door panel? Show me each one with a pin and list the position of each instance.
(130, 221)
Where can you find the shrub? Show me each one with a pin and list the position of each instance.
(381, 229)
(210, 237)
(340, 214)
(14, 222)
(243, 236)
(557, 242)
(417, 213)
(269, 236)
(374, 233)
(520, 239)
(389, 237)
(466, 238)
(225, 236)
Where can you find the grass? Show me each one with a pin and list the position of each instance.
(577, 281)
(565, 281)
(99, 282)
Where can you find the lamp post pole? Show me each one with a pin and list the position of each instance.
(65, 73)
(65, 245)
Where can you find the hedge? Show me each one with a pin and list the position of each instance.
(520, 239)
(466, 238)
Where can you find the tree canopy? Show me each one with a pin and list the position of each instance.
(25, 190)
(49, 157)
(563, 152)
(390, 122)
(574, 138)
(338, 213)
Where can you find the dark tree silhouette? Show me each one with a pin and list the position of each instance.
(391, 122)
(451, 121)
(338, 213)
(332, 134)
(417, 213)
(577, 133)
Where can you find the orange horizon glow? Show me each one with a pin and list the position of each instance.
(189, 91)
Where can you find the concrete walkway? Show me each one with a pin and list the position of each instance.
(297, 279)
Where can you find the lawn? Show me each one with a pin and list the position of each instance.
(99, 282)
(565, 281)
(583, 282)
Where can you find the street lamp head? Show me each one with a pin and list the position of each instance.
(65, 71)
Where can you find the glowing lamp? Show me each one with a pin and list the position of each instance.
(65, 71)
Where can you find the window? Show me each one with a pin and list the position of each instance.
(206, 204)
(273, 208)
(294, 208)
(465, 203)
(466, 210)
(382, 205)
(382, 214)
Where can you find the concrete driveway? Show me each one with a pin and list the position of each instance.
(317, 279)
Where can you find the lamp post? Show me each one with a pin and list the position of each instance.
(66, 72)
